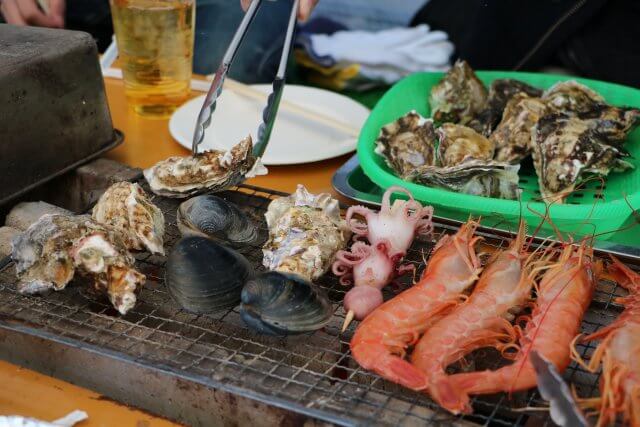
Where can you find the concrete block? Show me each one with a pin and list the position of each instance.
(6, 236)
(26, 213)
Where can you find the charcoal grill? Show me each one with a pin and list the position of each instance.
(187, 366)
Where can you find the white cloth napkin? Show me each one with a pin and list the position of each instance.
(388, 54)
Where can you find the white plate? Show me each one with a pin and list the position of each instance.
(294, 138)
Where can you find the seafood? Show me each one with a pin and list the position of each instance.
(390, 232)
(278, 303)
(512, 137)
(50, 252)
(214, 217)
(459, 96)
(500, 93)
(213, 170)
(482, 178)
(459, 144)
(407, 143)
(571, 96)
(618, 354)
(204, 277)
(565, 148)
(612, 122)
(305, 232)
(563, 295)
(126, 207)
(381, 340)
(481, 321)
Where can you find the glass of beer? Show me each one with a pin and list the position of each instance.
(155, 45)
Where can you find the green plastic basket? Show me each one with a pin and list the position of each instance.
(593, 209)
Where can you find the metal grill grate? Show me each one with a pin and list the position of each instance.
(313, 373)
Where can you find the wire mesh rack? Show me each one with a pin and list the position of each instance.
(312, 373)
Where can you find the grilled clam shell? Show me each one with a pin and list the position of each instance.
(214, 217)
(459, 96)
(407, 143)
(277, 303)
(213, 170)
(205, 277)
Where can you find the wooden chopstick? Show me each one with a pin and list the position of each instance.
(246, 90)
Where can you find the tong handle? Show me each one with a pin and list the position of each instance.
(209, 105)
(273, 101)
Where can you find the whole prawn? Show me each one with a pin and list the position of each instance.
(480, 321)
(618, 352)
(563, 296)
(380, 341)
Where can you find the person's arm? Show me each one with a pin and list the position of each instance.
(306, 6)
(27, 12)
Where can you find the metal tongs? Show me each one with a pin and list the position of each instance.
(273, 101)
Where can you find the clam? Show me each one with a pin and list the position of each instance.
(214, 217)
(204, 276)
(276, 303)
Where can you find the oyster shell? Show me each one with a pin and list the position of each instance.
(512, 137)
(565, 148)
(571, 96)
(407, 143)
(459, 144)
(49, 253)
(500, 93)
(476, 177)
(305, 232)
(459, 96)
(613, 122)
(213, 170)
(126, 207)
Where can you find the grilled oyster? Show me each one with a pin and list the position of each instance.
(49, 253)
(512, 137)
(459, 96)
(500, 92)
(127, 208)
(460, 144)
(571, 96)
(565, 148)
(477, 177)
(407, 143)
(213, 170)
(305, 232)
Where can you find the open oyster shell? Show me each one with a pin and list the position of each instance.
(459, 144)
(512, 137)
(565, 148)
(476, 177)
(49, 253)
(305, 232)
(500, 93)
(126, 207)
(213, 170)
(459, 96)
(407, 143)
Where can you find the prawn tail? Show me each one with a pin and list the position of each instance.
(378, 358)
(450, 397)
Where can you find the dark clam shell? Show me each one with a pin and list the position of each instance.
(214, 217)
(277, 303)
(204, 276)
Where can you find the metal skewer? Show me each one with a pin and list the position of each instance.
(273, 101)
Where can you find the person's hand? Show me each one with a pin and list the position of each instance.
(27, 12)
(306, 6)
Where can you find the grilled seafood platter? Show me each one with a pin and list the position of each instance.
(52, 250)
(477, 139)
(126, 207)
(210, 171)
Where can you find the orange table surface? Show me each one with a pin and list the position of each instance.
(28, 393)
